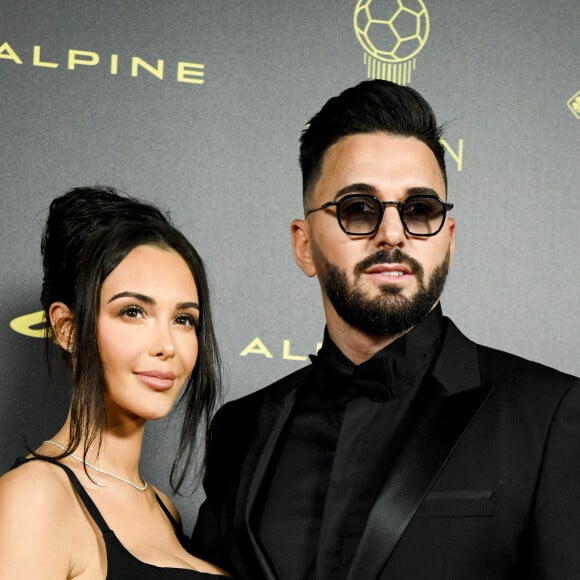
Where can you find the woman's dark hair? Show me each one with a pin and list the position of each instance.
(369, 107)
(88, 232)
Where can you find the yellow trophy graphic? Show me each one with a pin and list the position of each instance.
(392, 32)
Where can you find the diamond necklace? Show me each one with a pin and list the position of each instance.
(98, 469)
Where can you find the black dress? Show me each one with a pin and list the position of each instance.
(121, 564)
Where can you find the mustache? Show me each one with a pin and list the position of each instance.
(394, 256)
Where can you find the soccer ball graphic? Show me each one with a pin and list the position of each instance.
(391, 31)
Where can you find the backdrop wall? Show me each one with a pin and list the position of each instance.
(198, 106)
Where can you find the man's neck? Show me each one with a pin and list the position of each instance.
(358, 346)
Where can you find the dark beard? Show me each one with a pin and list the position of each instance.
(389, 313)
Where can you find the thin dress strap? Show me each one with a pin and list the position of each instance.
(176, 526)
(167, 512)
(85, 498)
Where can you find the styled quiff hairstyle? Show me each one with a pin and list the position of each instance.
(88, 232)
(374, 106)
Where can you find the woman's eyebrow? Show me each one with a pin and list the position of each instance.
(151, 301)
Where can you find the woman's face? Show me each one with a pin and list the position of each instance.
(146, 333)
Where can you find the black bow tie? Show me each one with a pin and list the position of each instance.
(372, 379)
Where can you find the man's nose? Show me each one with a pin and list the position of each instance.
(390, 231)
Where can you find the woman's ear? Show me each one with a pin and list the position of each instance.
(61, 322)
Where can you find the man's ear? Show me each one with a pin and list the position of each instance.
(301, 246)
(61, 321)
(451, 238)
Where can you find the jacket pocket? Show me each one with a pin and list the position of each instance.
(458, 504)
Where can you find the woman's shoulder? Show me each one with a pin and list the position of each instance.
(34, 517)
(34, 485)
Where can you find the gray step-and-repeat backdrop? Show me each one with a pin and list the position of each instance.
(198, 106)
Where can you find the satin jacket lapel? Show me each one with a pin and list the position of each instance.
(273, 413)
(440, 417)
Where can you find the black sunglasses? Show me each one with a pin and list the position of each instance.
(360, 214)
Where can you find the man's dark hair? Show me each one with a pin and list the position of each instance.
(372, 106)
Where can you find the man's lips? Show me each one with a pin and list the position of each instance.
(157, 379)
(390, 271)
(393, 264)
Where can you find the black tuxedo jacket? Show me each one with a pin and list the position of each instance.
(485, 486)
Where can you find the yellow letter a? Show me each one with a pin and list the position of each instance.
(256, 347)
(7, 52)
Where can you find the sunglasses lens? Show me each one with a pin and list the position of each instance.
(359, 214)
(423, 215)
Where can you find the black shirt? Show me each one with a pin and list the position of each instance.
(332, 459)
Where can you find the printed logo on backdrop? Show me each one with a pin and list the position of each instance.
(33, 324)
(574, 105)
(392, 33)
(46, 57)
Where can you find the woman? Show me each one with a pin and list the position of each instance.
(127, 300)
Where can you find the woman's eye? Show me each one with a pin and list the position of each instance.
(132, 312)
(186, 320)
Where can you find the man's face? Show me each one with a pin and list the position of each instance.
(386, 282)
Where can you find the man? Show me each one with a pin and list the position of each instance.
(404, 451)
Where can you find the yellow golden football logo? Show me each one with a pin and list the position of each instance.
(392, 32)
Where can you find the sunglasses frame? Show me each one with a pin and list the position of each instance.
(400, 205)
